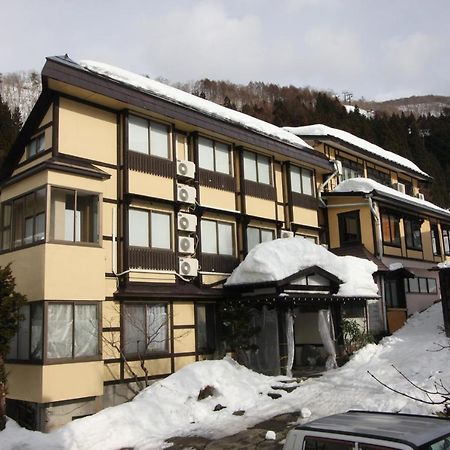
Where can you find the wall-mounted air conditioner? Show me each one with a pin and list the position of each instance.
(187, 222)
(286, 234)
(188, 267)
(185, 169)
(186, 244)
(186, 194)
(401, 188)
(420, 196)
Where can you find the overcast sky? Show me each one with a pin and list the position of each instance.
(377, 49)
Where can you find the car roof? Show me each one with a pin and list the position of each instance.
(411, 429)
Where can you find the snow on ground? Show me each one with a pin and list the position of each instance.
(324, 130)
(170, 407)
(278, 259)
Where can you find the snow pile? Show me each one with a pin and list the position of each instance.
(191, 101)
(366, 185)
(170, 407)
(362, 112)
(281, 258)
(324, 131)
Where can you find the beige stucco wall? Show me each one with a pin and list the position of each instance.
(184, 340)
(55, 382)
(28, 184)
(217, 198)
(305, 216)
(183, 313)
(150, 185)
(260, 207)
(183, 361)
(87, 131)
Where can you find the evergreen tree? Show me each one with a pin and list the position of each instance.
(9, 128)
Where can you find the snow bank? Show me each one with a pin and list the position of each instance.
(323, 130)
(170, 407)
(281, 258)
(366, 185)
(191, 101)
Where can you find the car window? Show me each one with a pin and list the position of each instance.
(362, 446)
(443, 444)
(316, 443)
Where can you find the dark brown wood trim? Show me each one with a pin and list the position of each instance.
(112, 201)
(109, 329)
(183, 327)
(172, 338)
(151, 258)
(34, 158)
(217, 180)
(87, 102)
(92, 161)
(260, 190)
(150, 164)
(55, 129)
(305, 201)
(218, 263)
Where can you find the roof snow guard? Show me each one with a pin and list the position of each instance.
(362, 146)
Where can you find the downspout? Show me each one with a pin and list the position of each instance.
(337, 171)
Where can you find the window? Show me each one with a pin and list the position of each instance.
(27, 343)
(351, 169)
(217, 237)
(206, 330)
(446, 240)
(349, 228)
(36, 145)
(257, 235)
(148, 137)
(149, 229)
(308, 237)
(145, 329)
(257, 168)
(23, 220)
(421, 285)
(412, 233)
(378, 175)
(302, 180)
(435, 245)
(319, 443)
(394, 294)
(72, 330)
(390, 225)
(74, 216)
(408, 186)
(214, 156)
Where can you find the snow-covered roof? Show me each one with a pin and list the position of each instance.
(191, 101)
(326, 131)
(278, 259)
(367, 186)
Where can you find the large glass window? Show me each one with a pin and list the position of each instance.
(350, 169)
(149, 229)
(412, 234)
(257, 168)
(72, 330)
(257, 235)
(217, 237)
(36, 145)
(319, 443)
(435, 245)
(423, 285)
(349, 228)
(145, 328)
(74, 216)
(302, 180)
(206, 327)
(151, 138)
(380, 176)
(446, 240)
(23, 220)
(214, 156)
(390, 225)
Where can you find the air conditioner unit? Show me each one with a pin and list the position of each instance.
(185, 169)
(286, 234)
(401, 188)
(188, 267)
(338, 166)
(187, 222)
(186, 194)
(420, 196)
(186, 244)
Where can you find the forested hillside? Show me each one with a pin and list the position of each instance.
(423, 139)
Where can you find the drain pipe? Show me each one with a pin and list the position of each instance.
(376, 216)
(337, 171)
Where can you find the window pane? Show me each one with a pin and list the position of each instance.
(138, 134)
(307, 182)
(29, 225)
(160, 230)
(201, 327)
(40, 145)
(36, 331)
(414, 285)
(446, 242)
(423, 285)
(222, 158)
(157, 335)
(295, 180)
(31, 148)
(6, 239)
(209, 236)
(263, 169)
(86, 330)
(432, 286)
(18, 222)
(40, 201)
(386, 230)
(159, 140)
(138, 228)
(86, 218)
(39, 234)
(252, 237)
(59, 331)
(267, 235)
(225, 239)
(62, 214)
(206, 340)
(134, 329)
(250, 166)
(395, 230)
(23, 349)
(6, 219)
(205, 154)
